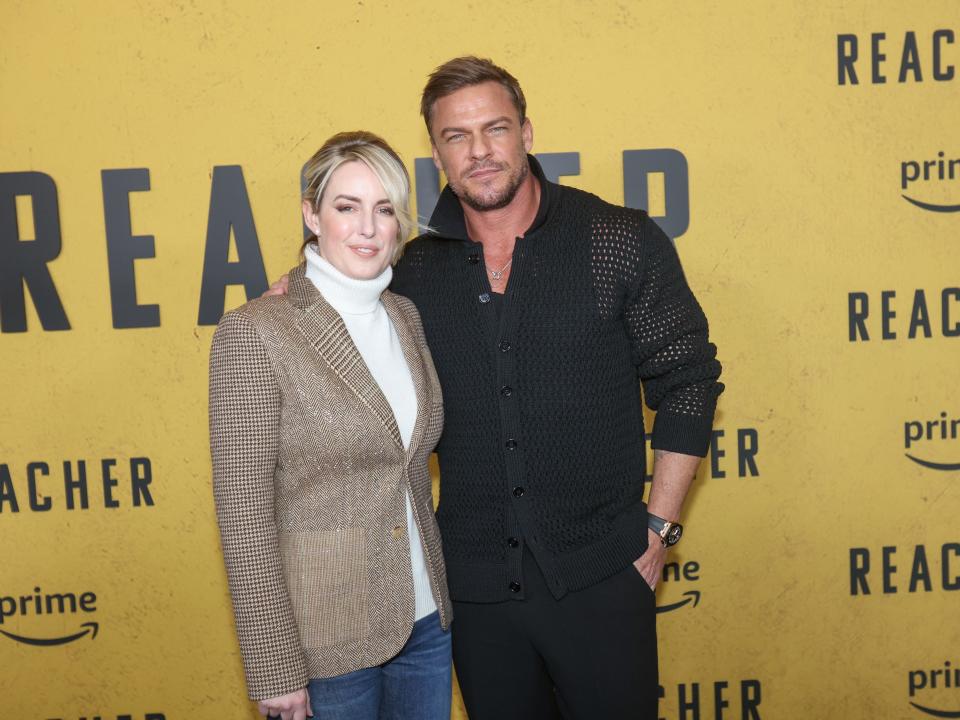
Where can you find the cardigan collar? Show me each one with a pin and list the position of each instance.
(448, 222)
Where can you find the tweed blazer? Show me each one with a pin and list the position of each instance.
(309, 481)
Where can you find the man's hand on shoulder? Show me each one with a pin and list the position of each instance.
(279, 287)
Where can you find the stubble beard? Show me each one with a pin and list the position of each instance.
(494, 200)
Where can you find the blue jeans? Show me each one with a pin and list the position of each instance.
(414, 685)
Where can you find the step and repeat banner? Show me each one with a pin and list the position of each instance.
(804, 157)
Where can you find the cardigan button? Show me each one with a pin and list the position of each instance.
(513, 542)
(518, 491)
(511, 444)
(504, 346)
(514, 587)
(473, 258)
(485, 298)
(506, 391)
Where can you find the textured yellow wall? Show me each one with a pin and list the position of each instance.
(795, 202)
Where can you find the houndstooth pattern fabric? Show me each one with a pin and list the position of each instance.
(309, 480)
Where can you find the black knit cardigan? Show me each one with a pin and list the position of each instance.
(543, 445)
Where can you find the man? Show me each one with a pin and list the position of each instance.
(544, 307)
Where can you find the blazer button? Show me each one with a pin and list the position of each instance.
(518, 491)
(514, 587)
(511, 444)
(513, 542)
(398, 532)
(504, 346)
(473, 258)
(506, 391)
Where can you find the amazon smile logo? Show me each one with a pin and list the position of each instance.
(931, 173)
(41, 604)
(943, 679)
(922, 432)
(674, 572)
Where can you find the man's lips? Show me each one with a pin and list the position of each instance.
(484, 172)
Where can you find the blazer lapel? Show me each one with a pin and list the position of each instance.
(416, 364)
(324, 329)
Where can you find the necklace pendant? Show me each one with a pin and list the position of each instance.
(496, 274)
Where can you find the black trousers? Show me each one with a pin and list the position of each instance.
(592, 655)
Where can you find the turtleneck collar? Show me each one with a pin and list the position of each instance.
(345, 294)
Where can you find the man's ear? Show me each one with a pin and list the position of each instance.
(526, 132)
(310, 217)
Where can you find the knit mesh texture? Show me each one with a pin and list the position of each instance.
(597, 302)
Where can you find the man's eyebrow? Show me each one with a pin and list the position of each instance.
(503, 119)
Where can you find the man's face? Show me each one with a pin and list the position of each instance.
(480, 145)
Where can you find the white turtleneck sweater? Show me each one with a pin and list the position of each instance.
(370, 328)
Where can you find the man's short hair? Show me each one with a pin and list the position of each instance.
(463, 72)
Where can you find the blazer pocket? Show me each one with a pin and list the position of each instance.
(326, 575)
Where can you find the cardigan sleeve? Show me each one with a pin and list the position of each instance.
(244, 438)
(669, 337)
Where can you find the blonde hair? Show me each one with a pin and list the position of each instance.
(374, 152)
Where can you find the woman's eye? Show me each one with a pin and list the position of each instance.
(386, 210)
(344, 208)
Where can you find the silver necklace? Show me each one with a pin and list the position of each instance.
(498, 274)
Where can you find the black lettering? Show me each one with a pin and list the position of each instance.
(109, 483)
(715, 454)
(889, 569)
(638, 165)
(919, 317)
(846, 57)
(7, 494)
(70, 486)
(141, 475)
(719, 701)
(123, 247)
(910, 60)
(61, 602)
(693, 705)
(949, 583)
(155, 716)
(750, 699)
(939, 72)
(88, 602)
(945, 297)
(877, 57)
(557, 165)
(229, 210)
(920, 572)
(691, 570)
(671, 569)
(887, 313)
(38, 502)
(748, 444)
(23, 263)
(859, 568)
(858, 307)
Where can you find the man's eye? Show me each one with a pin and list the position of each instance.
(455, 138)
(498, 130)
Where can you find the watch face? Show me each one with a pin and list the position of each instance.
(674, 533)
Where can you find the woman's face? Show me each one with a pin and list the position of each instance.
(356, 226)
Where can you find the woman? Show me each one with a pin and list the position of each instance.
(324, 409)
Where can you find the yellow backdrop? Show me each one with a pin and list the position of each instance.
(819, 573)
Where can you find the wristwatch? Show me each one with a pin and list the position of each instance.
(669, 532)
